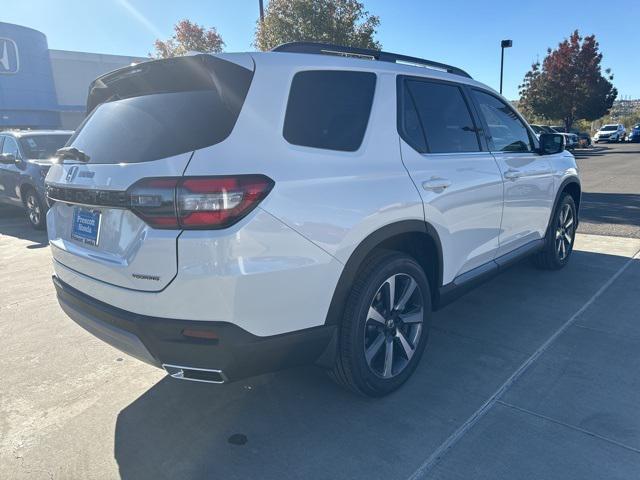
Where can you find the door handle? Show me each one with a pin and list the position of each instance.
(436, 184)
(512, 174)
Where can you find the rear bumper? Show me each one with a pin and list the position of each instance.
(235, 352)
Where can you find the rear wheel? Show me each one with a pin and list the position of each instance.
(560, 236)
(385, 325)
(35, 209)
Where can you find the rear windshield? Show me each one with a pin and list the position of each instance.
(329, 109)
(161, 109)
(42, 147)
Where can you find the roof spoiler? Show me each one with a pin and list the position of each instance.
(194, 71)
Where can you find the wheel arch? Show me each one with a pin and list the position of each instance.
(572, 186)
(414, 237)
(24, 188)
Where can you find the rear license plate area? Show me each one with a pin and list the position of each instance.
(86, 226)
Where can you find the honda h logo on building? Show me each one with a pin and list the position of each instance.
(9, 60)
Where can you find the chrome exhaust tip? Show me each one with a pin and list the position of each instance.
(205, 375)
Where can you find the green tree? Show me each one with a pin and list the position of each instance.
(342, 22)
(189, 36)
(569, 85)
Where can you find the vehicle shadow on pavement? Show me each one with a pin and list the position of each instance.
(594, 151)
(298, 424)
(613, 208)
(14, 223)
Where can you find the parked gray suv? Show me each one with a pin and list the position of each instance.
(25, 158)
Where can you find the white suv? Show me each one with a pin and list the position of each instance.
(226, 215)
(614, 132)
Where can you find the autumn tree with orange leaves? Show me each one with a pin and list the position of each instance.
(569, 85)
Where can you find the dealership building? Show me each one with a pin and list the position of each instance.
(42, 88)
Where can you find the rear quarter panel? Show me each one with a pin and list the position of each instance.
(334, 199)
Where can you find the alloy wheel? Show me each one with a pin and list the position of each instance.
(394, 325)
(33, 208)
(565, 231)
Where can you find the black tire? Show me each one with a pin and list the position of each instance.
(352, 368)
(36, 211)
(562, 229)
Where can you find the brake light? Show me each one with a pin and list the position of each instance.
(197, 202)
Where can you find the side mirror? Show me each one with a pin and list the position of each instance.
(551, 143)
(7, 159)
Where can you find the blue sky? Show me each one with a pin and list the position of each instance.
(465, 34)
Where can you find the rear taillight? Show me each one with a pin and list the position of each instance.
(197, 202)
(154, 200)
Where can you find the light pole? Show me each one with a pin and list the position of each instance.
(261, 11)
(504, 44)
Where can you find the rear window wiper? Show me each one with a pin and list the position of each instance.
(71, 153)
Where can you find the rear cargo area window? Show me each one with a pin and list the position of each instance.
(161, 109)
(329, 109)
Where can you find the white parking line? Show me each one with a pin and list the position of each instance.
(453, 439)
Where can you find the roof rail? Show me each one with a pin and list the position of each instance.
(366, 54)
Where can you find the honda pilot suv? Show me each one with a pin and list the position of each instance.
(221, 216)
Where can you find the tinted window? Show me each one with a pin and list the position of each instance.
(161, 109)
(410, 126)
(329, 109)
(444, 116)
(508, 133)
(40, 147)
(151, 127)
(10, 146)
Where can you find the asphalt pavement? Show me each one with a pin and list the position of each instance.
(532, 375)
(611, 189)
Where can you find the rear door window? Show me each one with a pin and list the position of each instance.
(443, 115)
(329, 109)
(161, 109)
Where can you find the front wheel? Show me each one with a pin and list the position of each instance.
(558, 243)
(385, 325)
(35, 210)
